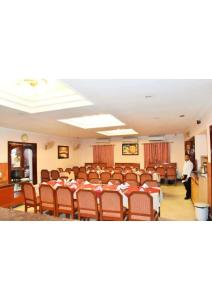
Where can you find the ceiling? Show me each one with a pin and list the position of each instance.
(151, 107)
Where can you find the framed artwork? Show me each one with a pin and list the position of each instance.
(63, 152)
(130, 149)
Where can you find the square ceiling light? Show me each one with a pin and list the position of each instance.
(35, 96)
(94, 121)
(118, 132)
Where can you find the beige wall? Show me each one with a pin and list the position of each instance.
(46, 159)
(85, 152)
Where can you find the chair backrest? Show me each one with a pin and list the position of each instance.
(55, 174)
(161, 171)
(105, 177)
(87, 204)
(118, 176)
(82, 175)
(171, 171)
(127, 169)
(132, 182)
(82, 169)
(151, 183)
(68, 170)
(110, 169)
(115, 181)
(45, 175)
(130, 176)
(150, 169)
(29, 192)
(64, 197)
(111, 206)
(47, 194)
(93, 175)
(95, 181)
(140, 206)
(144, 177)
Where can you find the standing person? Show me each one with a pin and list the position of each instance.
(186, 178)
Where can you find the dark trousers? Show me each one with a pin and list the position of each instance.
(187, 185)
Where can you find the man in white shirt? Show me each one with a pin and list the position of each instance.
(186, 178)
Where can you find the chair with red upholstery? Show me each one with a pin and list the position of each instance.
(144, 177)
(82, 175)
(171, 174)
(118, 176)
(95, 181)
(115, 181)
(162, 172)
(111, 206)
(87, 205)
(150, 169)
(30, 198)
(55, 174)
(130, 176)
(45, 177)
(152, 183)
(105, 177)
(141, 207)
(93, 175)
(47, 198)
(65, 202)
(132, 182)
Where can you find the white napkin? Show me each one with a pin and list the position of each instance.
(59, 180)
(126, 184)
(74, 186)
(99, 188)
(141, 189)
(73, 181)
(86, 182)
(44, 183)
(145, 186)
(123, 186)
(56, 185)
(110, 183)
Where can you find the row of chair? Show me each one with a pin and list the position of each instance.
(110, 207)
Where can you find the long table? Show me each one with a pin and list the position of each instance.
(156, 193)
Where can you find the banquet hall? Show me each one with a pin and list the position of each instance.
(105, 149)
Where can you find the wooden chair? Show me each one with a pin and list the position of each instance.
(132, 182)
(162, 172)
(30, 198)
(115, 181)
(95, 181)
(152, 183)
(141, 207)
(55, 174)
(130, 176)
(144, 177)
(93, 175)
(111, 206)
(68, 170)
(82, 175)
(45, 175)
(47, 198)
(87, 205)
(118, 176)
(65, 202)
(82, 169)
(171, 174)
(110, 169)
(105, 177)
(150, 169)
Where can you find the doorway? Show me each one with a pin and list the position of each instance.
(22, 162)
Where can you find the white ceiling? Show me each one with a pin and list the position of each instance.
(126, 100)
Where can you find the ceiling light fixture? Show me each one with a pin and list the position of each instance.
(94, 121)
(116, 132)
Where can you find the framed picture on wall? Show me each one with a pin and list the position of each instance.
(130, 149)
(63, 152)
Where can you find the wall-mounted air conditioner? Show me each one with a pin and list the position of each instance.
(130, 139)
(157, 138)
(103, 141)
